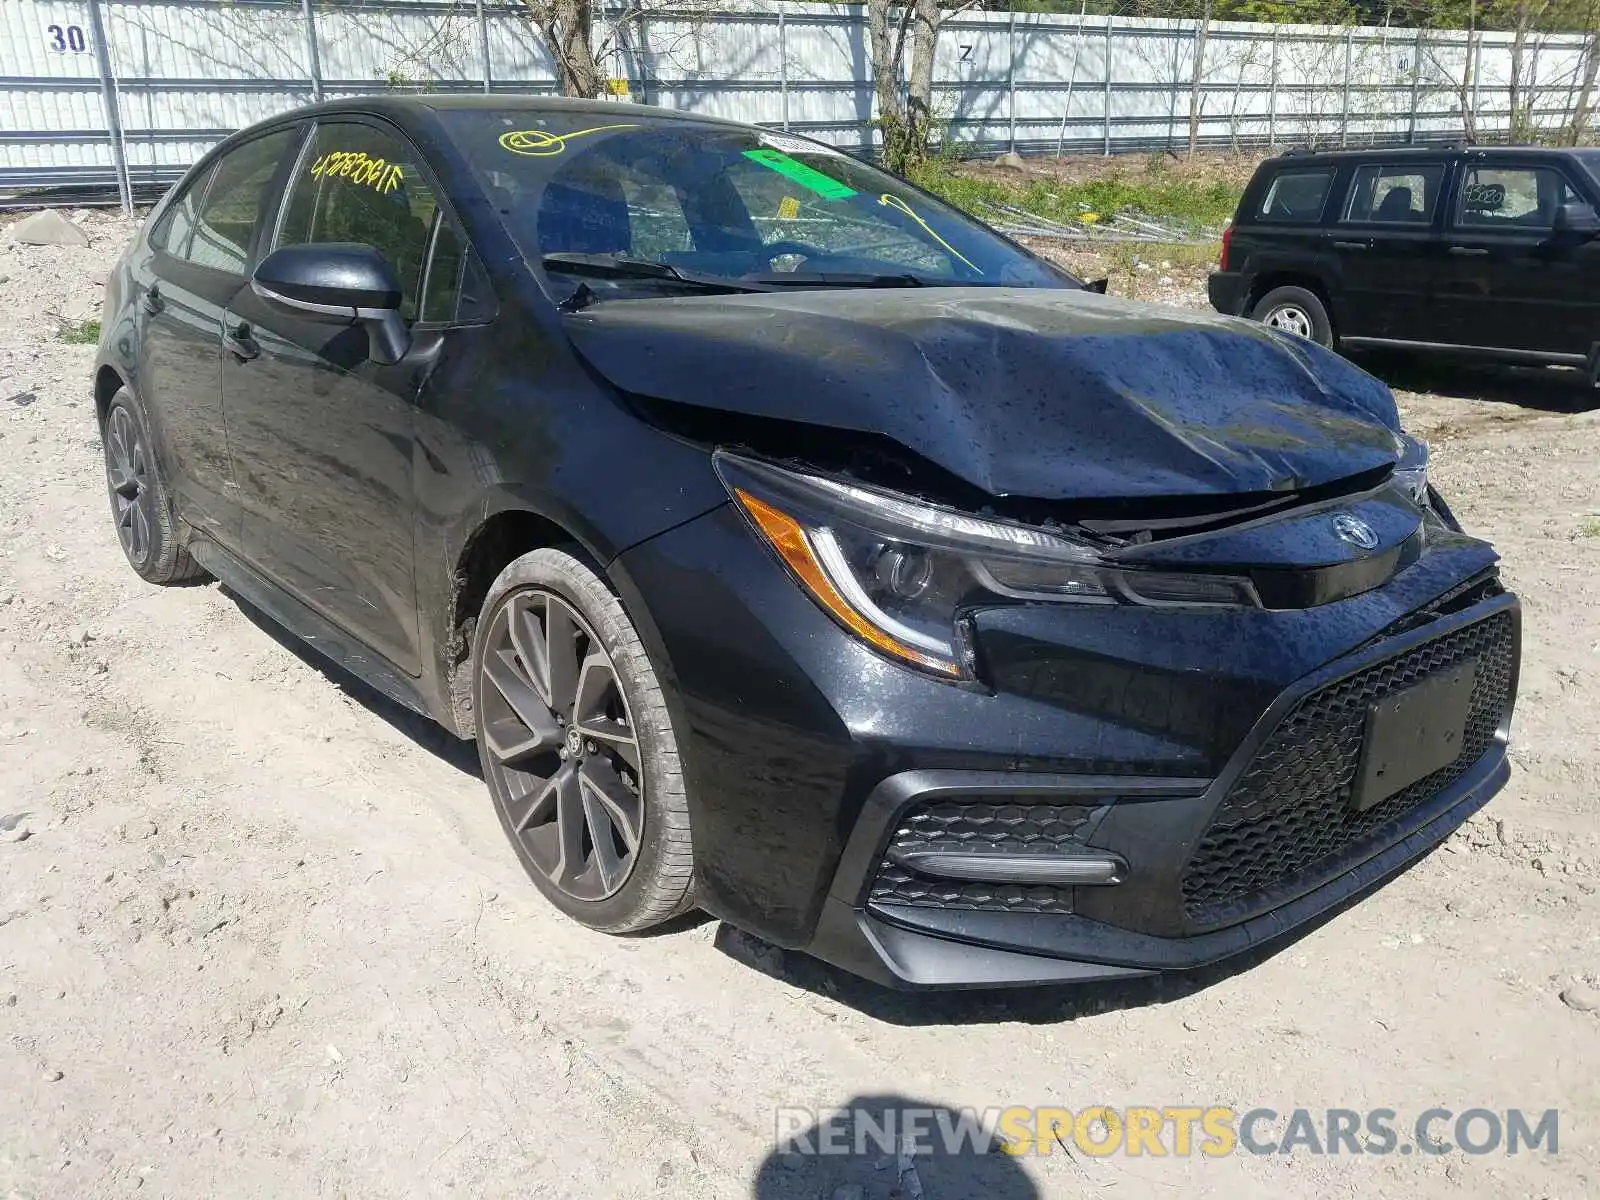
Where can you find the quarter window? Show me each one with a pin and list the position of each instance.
(177, 224)
(1296, 197)
(357, 183)
(1395, 195)
(227, 218)
(1512, 197)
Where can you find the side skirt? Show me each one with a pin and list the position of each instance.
(1533, 358)
(310, 627)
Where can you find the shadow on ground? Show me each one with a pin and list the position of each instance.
(1538, 389)
(819, 1157)
(424, 731)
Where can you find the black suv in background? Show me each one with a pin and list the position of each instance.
(1485, 252)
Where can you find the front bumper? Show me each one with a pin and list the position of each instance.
(810, 761)
(928, 934)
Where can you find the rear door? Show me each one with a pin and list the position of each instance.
(322, 436)
(200, 253)
(1385, 241)
(1508, 280)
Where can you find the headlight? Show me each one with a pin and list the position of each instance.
(900, 574)
(1411, 474)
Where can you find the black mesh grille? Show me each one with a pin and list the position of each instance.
(1290, 809)
(952, 825)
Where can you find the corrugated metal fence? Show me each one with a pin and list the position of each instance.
(126, 93)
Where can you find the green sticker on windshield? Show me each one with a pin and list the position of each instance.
(790, 168)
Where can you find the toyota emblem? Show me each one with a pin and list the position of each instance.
(1355, 531)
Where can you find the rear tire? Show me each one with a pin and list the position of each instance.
(578, 749)
(140, 505)
(1295, 310)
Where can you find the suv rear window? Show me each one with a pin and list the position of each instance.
(1296, 196)
(1399, 195)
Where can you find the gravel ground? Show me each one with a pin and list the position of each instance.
(260, 935)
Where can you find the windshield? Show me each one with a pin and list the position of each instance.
(618, 202)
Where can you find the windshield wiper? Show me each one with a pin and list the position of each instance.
(616, 266)
(844, 279)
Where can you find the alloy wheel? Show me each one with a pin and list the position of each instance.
(563, 754)
(128, 477)
(1290, 318)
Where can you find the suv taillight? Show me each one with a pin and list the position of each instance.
(1227, 245)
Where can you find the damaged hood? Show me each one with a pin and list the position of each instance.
(1039, 393)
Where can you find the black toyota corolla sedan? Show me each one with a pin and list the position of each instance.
(797, 548)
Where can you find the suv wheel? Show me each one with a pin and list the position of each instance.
(577, 747)
(139, 502)
(1295, 310)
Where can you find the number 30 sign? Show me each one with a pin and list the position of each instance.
(64, 38)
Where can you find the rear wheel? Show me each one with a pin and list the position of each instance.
(1295, 310)
(139, 502)
(578, 749)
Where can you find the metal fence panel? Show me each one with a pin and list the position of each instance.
(174, 76)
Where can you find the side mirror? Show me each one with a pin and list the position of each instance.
(339, 283)
(1098, 286)
(1577, 219)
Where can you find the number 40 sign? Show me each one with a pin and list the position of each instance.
(66, 37)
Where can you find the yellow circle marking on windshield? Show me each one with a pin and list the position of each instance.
(889, 201)
(538, 143)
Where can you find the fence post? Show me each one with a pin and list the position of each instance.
(313, 53)
(483, 45)
(108, 97)
(1109, 19)
(1011, 81)
(1344, 116)
(783, 63)
(1416, 85)
(1272, 95)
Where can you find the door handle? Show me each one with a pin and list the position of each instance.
(240, 344)
(1352, 245)
(1469, 251)
(153, 303)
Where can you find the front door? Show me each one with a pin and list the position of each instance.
(1508, 279)
(1387, 250)
(322, 436)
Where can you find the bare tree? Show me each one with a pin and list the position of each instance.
(1202, 32)
(907, 122)
(581, 36)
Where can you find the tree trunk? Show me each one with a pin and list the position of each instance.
(925, 21)
(567, 26)
(1583, 104)
(885, 42)
(1201, 33)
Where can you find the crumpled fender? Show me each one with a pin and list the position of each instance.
(1042, 393)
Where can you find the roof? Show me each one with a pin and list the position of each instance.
(389, 102)
(1390, 153)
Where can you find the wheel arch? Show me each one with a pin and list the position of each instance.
(1292, 277)
(107, 382)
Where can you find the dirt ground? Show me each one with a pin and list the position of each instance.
(260, 934)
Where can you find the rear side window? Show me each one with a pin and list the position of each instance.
(1296, 197)
(1395, 195)
(358, 183)
(231, 210)
(173, 231)
(1512, 197)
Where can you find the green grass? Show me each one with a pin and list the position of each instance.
(1590, 528)
(81, 333)
(1185, 202)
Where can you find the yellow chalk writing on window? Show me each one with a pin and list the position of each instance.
(360, 169)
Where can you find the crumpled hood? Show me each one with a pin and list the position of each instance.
(1026, 392)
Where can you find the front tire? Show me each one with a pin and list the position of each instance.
(578, 749)
(1295, 310)
(140, 505)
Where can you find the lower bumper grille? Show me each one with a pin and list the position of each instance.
(1009, 828)
(1290, 809)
